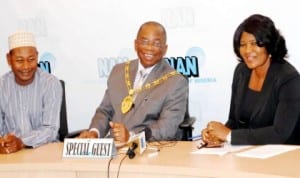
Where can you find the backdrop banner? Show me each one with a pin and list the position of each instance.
(81, 44)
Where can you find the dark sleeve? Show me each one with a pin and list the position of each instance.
(105, 110)
(231, 122)
(286, 117)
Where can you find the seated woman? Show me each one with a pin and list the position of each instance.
(265, 101)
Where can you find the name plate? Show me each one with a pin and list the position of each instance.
(89, 148)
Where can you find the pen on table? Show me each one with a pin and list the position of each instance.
(196, 137)
(202, 145)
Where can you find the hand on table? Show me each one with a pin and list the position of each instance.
(88, 134)
(215, 133)
(119, 132)
(10, 144)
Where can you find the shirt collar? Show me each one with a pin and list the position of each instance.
(146, 70)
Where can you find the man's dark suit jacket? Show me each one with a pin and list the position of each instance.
(276, 116)
(161, 108)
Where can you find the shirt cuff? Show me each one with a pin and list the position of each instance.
(96, 130)
(228, 137)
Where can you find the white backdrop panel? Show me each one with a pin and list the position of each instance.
(83, 39)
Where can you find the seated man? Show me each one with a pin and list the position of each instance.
(158, 104)
(30, 98)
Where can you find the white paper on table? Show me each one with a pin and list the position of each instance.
(227, 148)
(267, 151)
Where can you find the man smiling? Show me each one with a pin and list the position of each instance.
(142, 93)
(30, 98)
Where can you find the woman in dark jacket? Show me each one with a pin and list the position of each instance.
(265, 99)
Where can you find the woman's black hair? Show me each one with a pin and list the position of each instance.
(266, 35)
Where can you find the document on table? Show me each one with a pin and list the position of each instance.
(267, 151)
(227, 148)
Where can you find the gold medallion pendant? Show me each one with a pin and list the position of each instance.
(127, 104)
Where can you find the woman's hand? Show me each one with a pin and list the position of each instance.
(218, 130)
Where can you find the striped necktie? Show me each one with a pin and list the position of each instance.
(139, 81)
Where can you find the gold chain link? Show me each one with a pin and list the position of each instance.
(147, 86)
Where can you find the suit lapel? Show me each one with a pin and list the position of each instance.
(128, 119)
(242, 86)
(132, 72)
(156, 72)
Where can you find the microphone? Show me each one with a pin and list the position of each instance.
(138, 141)
(148, 132)
(131, 149)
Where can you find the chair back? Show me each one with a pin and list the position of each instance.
(63, 129)
(186, 126)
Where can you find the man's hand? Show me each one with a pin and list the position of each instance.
(120, 132)
(10, 144)
(2, 146)
(88, 134)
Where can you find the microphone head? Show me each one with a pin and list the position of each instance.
(131, 149)
(131, 154)
(148, 133)
(134, 145)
